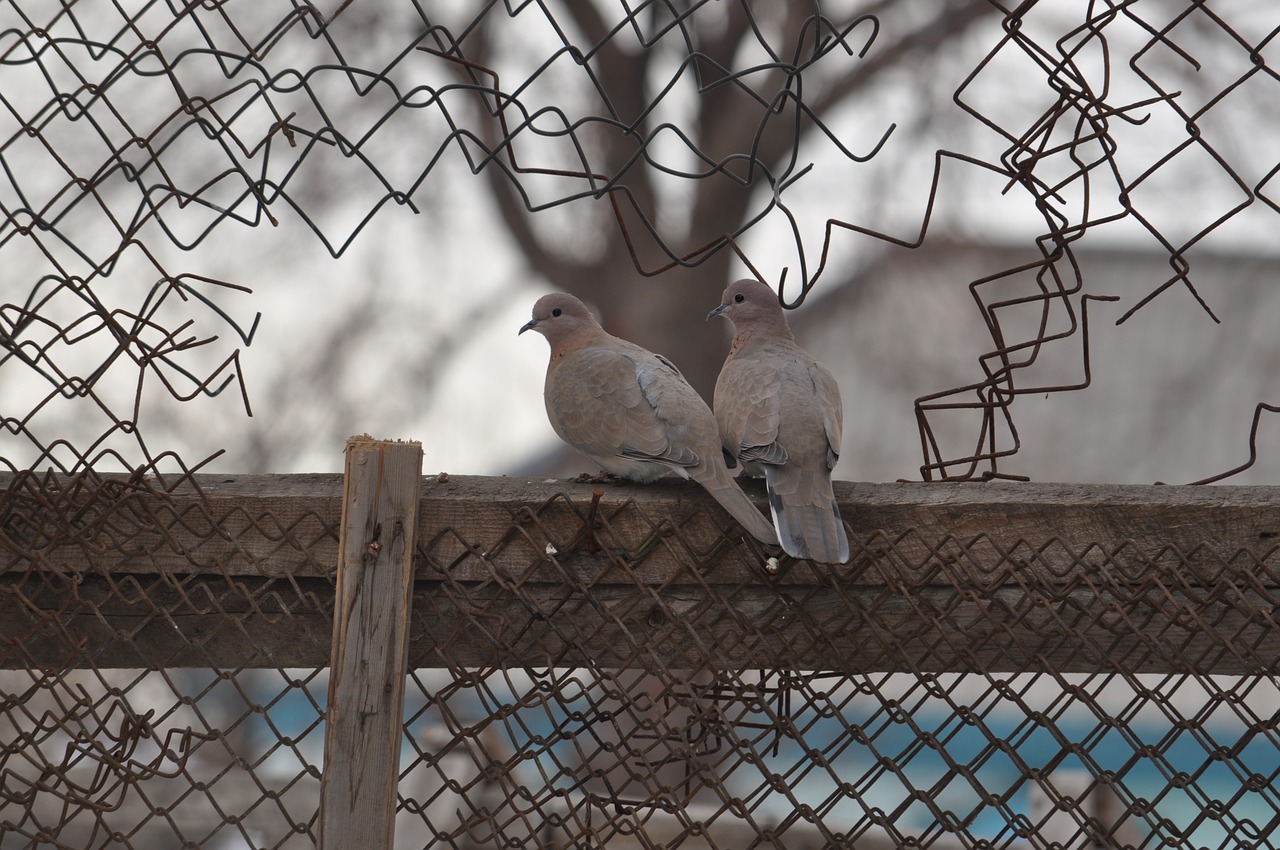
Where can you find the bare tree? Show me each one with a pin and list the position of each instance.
(760, 80)
(638, 155)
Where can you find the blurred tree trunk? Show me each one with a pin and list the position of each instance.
(750, 143)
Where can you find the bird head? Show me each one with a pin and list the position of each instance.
(559, 316)
(750, 305)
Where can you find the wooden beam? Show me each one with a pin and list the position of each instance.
(286, 525)
(364, 720)
(963, 577)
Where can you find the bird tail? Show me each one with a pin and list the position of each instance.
(806, 515)
(720, 484)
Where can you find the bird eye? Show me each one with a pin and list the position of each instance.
(739, 298)
(556, 312)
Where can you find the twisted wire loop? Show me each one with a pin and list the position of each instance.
(1075, 159)
(128, 134)
(615, 670)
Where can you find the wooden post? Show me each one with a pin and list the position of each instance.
(364, 721)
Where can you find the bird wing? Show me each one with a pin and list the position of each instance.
(606, 402)
(749, 409)
(828, 392)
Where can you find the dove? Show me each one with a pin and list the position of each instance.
(779, 411)
(630, 410)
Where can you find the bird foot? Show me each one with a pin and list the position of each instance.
(601, 477)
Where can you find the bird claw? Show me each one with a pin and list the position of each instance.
(601, 477)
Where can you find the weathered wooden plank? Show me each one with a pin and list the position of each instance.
(261, 623)
(237, 525)
(981, 576)
(935, 630)
(914, 533)
(157, 621)
(364, 720)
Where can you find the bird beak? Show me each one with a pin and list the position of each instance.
(717, 311)
(527, 326)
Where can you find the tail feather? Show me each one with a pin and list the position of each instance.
(720, 484)
(806, 515)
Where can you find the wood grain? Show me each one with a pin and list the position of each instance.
(999, 576)
(364, 720)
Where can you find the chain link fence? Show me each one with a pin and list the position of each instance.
(997, 666)
(1024, 687)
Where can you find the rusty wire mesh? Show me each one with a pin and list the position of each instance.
(999, 691)
(934, 693)
(960, 700)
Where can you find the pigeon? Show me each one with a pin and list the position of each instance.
(631, 411)
(779, 412)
